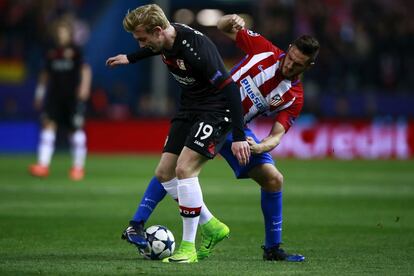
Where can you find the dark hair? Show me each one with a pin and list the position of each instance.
(308, 45)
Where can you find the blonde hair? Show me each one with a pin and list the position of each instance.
(148, 16)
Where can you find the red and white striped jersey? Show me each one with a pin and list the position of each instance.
(264, 91)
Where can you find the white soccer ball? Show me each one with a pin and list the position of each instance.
(161, 243)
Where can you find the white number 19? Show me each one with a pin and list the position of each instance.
(207, 130)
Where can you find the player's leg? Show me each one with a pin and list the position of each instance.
(77, 140)
(163, 182)
(74, 119)
(180, 128)
(155, 192)
(261, 169)
(271, 181)
(45, 149)
(190, 200)
(206, 138)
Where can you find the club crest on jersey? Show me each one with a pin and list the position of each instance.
(251, 33)
(181, 64)
(276, 100)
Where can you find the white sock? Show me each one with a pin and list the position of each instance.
(205, 215)
(171, 188)
(78, 142)
(190, 200)
(46, 147)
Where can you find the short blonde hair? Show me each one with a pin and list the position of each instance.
(148, 16)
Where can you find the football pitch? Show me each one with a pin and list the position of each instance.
(346, 217)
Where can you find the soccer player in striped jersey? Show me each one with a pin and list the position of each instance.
(269, 84)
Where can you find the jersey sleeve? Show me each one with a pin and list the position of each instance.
(203, 56)
(288, 116)
(140, 54)
(253, 43)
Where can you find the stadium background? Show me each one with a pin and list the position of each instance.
(347, 217)
(358, 98)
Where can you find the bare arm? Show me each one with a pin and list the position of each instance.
(230, 24)
(40, 89)
(268, 143)
(85, 83)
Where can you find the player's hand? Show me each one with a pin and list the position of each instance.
(236, 22)
(242, 152)
(254, 147)
(117, 60)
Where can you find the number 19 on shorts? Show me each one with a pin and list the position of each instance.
(204, 130)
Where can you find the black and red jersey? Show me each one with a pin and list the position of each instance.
(63, 65)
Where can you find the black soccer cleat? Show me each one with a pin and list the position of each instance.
(135, 234)
(276, 253)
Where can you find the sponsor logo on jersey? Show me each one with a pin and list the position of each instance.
(184, 80)
(253, 93)
(181, 64)
(62, 65)
(251, 33)
(276, 100)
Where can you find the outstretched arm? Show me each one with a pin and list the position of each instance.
(230, 24)
(268, 143)
(123, 59)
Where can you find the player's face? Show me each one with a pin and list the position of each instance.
(63, 35)
(295, 62)
(147, 40)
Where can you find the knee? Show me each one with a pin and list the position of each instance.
(274, 182)
(183, 171)
(79, 138)
(164, 174)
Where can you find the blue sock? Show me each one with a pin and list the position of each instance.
(272, 212)
(153, 195)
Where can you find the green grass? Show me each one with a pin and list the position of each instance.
(346, 217)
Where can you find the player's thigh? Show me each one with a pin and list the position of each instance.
(267, 176)
(165, 170)
(189, 163)
(209, 133)
(177, 135)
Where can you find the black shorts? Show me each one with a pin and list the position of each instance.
(204, 133)
(64, 113)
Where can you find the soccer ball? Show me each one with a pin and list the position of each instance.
(161, 243)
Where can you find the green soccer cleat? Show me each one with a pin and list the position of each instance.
(185, 254)
(212, 232)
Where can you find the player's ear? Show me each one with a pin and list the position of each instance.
(157, 30)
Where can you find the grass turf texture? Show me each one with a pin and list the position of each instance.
(346, 217)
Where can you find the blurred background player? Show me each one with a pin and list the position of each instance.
(61, 94)
(210, 108)
(269, 81)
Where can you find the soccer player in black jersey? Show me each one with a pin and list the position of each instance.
(61, 93)
(210, 108)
